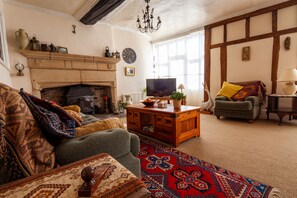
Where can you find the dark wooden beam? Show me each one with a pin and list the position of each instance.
(223, 64)
(252, 14)
(247, 28)
(207, 44)
(100, 10)
(274, 21)
(274, 67)
(225, 33)
(258, 37)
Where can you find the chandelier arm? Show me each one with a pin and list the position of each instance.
(148, 20)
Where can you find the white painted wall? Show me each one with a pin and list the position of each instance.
(236, 30)
(5, 76)
(143, 64)
(4, 65)
(261, 24)
(215, 72)
(56, 28)
(259, 66)
(287, 58)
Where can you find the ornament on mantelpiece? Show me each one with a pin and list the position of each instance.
(22, 39)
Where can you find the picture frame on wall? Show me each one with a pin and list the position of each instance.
(130, 71)
(62, 50)
(246, 53)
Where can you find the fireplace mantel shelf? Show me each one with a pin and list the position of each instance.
(50, 69)
(30, 54)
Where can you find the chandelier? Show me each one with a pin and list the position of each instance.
(148, 20)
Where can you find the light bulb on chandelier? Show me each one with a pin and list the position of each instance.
(148, 20)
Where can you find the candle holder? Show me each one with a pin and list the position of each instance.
(20, 67)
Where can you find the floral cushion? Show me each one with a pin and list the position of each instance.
(247, 90)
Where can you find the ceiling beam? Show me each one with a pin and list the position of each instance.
(100, 10)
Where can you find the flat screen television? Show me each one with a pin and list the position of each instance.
(160, 87)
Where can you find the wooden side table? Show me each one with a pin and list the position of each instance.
(273, 106)
(66, 180)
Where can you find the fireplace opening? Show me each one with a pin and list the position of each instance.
(91, 99)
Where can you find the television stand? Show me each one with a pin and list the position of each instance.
(184, 101)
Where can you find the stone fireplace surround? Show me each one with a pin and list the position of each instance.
(51, 69)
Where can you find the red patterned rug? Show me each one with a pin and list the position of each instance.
(171, 173)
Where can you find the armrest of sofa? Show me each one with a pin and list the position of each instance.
(254, 100)
(222, 98)
(134, 144)
(116, 142)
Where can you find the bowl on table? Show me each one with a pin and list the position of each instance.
(149, 103)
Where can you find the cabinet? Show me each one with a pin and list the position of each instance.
(167, 124)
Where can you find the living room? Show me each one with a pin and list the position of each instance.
(268, 59)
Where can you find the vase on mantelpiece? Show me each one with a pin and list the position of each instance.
(128, 99)
(22, 39)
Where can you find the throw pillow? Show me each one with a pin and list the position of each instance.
(72, 107)
(55, 124)
(229, 90)
(247, 90)
(100, 125)
(75, 115)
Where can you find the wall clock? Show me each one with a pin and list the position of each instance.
(129, 55)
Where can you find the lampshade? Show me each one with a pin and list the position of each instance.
(181, 86)
(289, 76)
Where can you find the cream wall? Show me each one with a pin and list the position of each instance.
(4, 66)
(143, 64)
(56, 28)
(259, 66)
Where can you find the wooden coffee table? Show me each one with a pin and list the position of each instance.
(167, 124)
(66, 180)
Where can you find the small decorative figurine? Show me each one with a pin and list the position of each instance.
(107, 53)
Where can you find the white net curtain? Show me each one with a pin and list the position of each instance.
(182, 58)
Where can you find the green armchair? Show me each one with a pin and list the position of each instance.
(248, 107)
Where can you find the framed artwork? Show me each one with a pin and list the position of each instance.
(130, 71)
(246, 53)
(3, 42)
(62, 50)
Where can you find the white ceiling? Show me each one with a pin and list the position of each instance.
(177, 16)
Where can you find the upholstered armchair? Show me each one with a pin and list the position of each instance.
(244, 100)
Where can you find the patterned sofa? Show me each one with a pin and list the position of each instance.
(25, 149)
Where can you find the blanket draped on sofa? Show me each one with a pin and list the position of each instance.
(23, 148)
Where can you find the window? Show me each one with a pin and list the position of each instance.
(182, 58)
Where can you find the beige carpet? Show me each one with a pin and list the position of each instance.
(263, 151)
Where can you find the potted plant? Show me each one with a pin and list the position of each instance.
(177, 97)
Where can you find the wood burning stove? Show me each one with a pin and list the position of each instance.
(82, 96)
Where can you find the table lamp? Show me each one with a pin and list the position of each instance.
(289, 76)
(181, 87)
